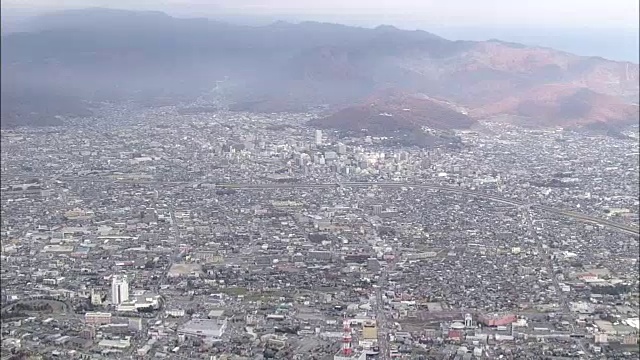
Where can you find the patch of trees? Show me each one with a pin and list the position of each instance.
(617, 289)
(386, 231)
(146, 309)
(19, 355)
(553, 183)
(42, 307)
(7, 315)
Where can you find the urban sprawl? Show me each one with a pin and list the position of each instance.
(167, 233)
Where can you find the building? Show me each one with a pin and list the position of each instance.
(496, 319)
(175, 313)
(454, 335)
(370, 330)
(97, 318)
(115, 344)
(135, 324)
(319, 255)
(468, 321)
(185, 270)
(216, 314)
(377, 209)
(88, 333)
(208, 256)
(600, 338)
(204, 328)
(373, 265)
(143, 301)
(357, 355)
(143, 351)
(119, 290)
(330, 155)
(318, 137)
(96, 297)
(630, 339)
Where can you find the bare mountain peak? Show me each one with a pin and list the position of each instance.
(507, 43)
(387, 28)
(281, 24)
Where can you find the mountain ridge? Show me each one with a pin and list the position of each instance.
(284, 66)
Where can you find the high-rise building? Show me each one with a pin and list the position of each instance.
(318, 137)
(119, 290)
(96, 297)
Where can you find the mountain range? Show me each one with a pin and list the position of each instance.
(413, 78)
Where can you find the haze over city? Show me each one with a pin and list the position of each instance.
(319, 180)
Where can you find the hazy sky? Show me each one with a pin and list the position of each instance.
(534, 13)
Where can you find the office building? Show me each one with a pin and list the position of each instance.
(119, 290)
(342, 149)
(96, 298)
(97, 318)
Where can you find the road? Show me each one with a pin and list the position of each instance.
(381, 318)
(542, 250)
(628, 229)
(172, 258)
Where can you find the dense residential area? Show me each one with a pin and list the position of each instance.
(165, 233)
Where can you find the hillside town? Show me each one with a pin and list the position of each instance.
(192, 233)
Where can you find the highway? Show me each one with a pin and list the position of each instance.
(629, 229)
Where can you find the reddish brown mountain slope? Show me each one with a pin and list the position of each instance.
(548, 87)
(562, 105)
(393, 110)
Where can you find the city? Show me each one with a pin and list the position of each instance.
(189, 233)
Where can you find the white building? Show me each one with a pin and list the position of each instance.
(116, 344)
(204, 328)
(119, 290)
(96, 297)
(318, 137)
(358, 355)
(140, 302)
(175, 313)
